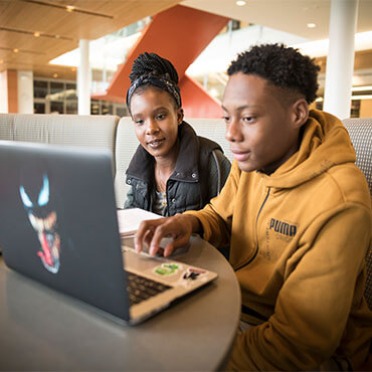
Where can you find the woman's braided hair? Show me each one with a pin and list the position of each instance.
(149, 69)
(282, 66)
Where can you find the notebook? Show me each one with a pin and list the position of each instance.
(59, 227)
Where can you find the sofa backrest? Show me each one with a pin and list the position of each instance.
(127, 143)
(104, 131)
(360, 131)
(74, 130)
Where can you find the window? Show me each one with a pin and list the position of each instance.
(52, 96)
(40, 89)
(39, 108)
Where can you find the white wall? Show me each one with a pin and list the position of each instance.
(3, 92)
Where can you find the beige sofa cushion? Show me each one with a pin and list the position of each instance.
(80, 130)
(214, 129)
(74, 130)
(126, 145)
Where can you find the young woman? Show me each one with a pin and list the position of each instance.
(173, 169)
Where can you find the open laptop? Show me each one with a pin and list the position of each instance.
(59, 227)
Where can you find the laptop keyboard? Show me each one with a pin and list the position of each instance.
(141, 288)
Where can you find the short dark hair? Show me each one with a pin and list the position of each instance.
(282, 66)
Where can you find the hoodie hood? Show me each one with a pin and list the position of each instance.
(325, 143)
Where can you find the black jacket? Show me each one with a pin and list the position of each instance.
(201, 171)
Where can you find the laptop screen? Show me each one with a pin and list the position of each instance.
(59, 223)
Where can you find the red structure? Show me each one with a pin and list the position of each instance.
(179, 34)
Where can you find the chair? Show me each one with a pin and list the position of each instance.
(360, 131)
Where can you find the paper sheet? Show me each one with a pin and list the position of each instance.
(130, 219)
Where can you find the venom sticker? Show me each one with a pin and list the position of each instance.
(43, 218)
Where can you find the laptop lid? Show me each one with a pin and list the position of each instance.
(59, 227)
(59, 222)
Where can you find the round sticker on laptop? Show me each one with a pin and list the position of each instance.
(167, 269)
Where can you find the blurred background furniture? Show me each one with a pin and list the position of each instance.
(360, 131)
(105, 131)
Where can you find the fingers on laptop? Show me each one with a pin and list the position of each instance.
(145, 234)
(161, 235)
(170, 234)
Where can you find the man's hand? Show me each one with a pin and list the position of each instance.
(179, 228)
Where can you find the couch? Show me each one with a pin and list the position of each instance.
(117, 135)
(360, 131)
(101, 131)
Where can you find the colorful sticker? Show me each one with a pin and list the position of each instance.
(192, 273)
(44, 220)
(167, 269)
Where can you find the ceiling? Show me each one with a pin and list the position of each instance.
(33, 32)
(61, 29)
(291, 16)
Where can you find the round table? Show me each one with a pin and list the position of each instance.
(41, 329)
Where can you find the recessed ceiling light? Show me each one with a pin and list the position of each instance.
(69, 8)
(241, 2)
(55, 75)
(33, 33)
(311, 25)
(15, 50)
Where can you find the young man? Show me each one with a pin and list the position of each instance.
(296, 212)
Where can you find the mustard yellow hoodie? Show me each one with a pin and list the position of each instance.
(298, 239)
